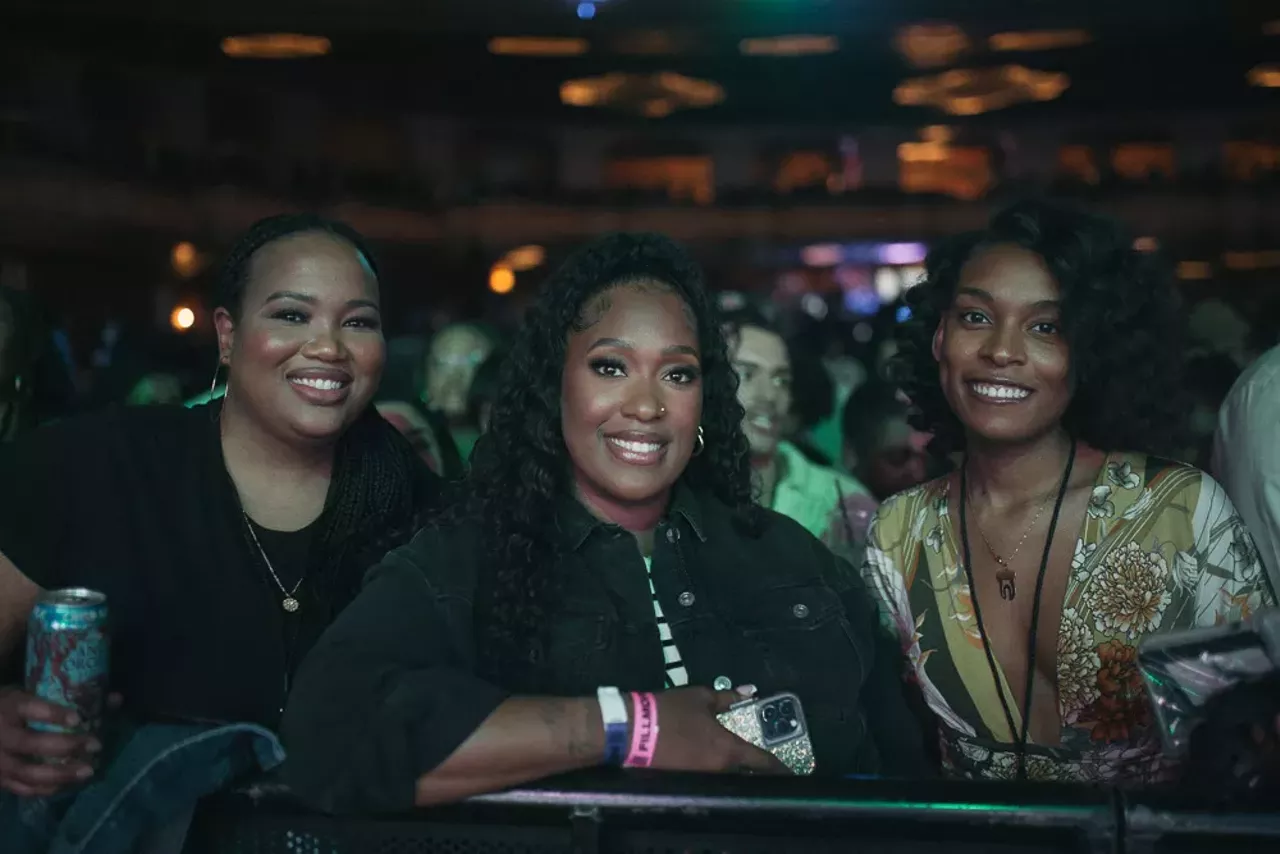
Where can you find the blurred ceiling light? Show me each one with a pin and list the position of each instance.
(538, 46)
(938, 133)
(1267, 75)
(790, 46)
(931, 45)
(650, 43)
(275, 46)
(525, 258)
(182, 319)
(1146, 244)
(822, 255)
(502, 279)
(923, 152)
(968, 92)
(185, 259)
(903, 253)
(652, 95)
(1241, 261)
(1039, 40)
(1195, 270)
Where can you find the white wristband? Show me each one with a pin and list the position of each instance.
(613, 709)
(613, 712)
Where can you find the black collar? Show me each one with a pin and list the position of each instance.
(575, 524)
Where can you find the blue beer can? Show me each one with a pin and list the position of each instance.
(69, 654)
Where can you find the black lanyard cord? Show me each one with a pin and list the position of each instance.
(1019, 734)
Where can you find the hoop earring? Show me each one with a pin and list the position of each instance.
(213, 384)
(699, 443)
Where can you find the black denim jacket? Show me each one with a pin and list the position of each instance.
(390, 690)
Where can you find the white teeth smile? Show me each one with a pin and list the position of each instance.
(764, 422)
(999, 392)
(321, 384)
(637, 447)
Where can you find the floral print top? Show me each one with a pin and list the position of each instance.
(1161, 548)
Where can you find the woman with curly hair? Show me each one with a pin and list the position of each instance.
(607, 539)
(1042, 353)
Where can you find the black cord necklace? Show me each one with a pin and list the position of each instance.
(1020, 734)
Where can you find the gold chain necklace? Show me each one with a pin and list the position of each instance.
(1006, 575)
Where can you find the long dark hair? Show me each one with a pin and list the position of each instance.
(1120, 313)
(521, 468)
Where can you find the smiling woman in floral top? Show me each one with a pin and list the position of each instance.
(1042, 352)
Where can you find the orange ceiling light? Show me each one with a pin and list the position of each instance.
(798, 45)
(545, 46)
(932, 45)
(651, 95)
(502, 279)
(524, 258)
(969, 92)
(1266, 75)
(275, 46)
(1039, 40)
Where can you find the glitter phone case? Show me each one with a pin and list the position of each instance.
(775, 724)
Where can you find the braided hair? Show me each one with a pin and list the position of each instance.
(382, 490)
(521, 467)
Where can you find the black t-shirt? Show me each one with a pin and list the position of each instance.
(137, 503)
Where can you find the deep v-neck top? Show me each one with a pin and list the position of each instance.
(1160, 548)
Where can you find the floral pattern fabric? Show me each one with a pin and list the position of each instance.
(1160, 549)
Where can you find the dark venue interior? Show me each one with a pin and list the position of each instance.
(809, 155)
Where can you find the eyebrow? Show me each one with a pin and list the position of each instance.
(619, 343)
(310, 300)
(781, 369)
(983, 295)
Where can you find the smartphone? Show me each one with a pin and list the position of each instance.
(1184, 670)
(775, 724)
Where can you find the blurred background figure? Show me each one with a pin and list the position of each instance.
(881, 449)
(158, 389)
(13, 351)
(484, 389)
(830, 505)
(1209, 377)
(455, 354)
(400, 401)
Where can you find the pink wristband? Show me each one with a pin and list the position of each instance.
(644, 732)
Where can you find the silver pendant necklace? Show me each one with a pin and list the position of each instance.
(290, 603)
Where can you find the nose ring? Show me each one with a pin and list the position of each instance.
(662, 410)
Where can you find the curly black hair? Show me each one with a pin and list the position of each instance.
(1121, 316)
(521, 467)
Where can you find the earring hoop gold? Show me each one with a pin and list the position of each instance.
(700, 442)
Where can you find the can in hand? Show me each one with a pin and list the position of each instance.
(68, 654)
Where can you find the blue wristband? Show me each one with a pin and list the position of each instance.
(613, 711)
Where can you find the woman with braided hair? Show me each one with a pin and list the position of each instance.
(226, 536)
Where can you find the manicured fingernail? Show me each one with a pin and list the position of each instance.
(746, 690)
(73, 719)
(84, 773)
(93, 746)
